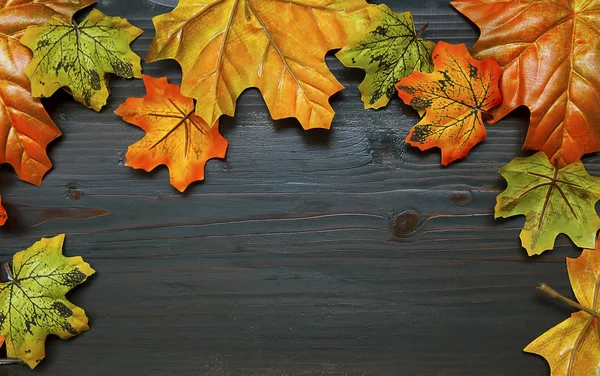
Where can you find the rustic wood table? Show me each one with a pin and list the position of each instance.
(304, 253)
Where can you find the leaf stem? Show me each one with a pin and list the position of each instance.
(421, 30)
(555, 294)
(9, 274)
(8, 361)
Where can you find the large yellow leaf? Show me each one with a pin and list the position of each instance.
(278, 46)
(33, 303)
(79, 57)
(572, 348)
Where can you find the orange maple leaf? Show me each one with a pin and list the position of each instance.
(25, 126)
(175, 136)
(549, 52)
(2, 222)
(454, 96)
(278, 46)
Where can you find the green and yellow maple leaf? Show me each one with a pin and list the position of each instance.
(388, 52)
(33, 303)
(79, 57)
(554, 201)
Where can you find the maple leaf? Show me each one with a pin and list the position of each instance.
(278, 46)
(175, 136)
(79, 57)
(2, 214)
(25, 127)
(33, 303)
(545, 48)
(18, 15)
(553, 200)
(389, 51)
(572, 347)
(454, 96)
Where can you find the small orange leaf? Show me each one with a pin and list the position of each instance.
(175, 135)
(2, 218)
(454, 96)
(571, 347)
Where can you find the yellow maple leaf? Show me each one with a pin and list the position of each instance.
(278, 46)
(572, 348)
(33, 303)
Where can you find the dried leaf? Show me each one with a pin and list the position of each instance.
(554, 201)
(389, 51)
(33, 303)
(454, 96)
(80, 57)
(548, 49)
(571, 347)
(175, 136)
(3, 215)
(25, 127)
(278, 46)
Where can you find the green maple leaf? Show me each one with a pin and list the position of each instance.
(79, 57)
(554, 201)
(388, 52)
(33, 303)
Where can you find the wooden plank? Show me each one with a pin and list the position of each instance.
(304, 253)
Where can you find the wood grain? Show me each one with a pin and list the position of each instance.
(304, 253)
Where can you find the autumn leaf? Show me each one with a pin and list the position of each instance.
(389, 51)
(175, 136)
(79, 57)
(572, 348)
(3, 215)
(33, 303)
(18, 15)
(548, 51)
(554, 201)
(25, 127)
(278, 46)
(454, 96)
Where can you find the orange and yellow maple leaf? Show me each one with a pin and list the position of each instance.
(549, 54)
(278, 46)
(571, 347)
(25, 127)
(454, 96)
(175, 135)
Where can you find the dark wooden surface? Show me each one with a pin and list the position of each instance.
(304, 253)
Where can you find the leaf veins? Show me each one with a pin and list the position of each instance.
(554, 201)
(175, 135)
(390, 51)
(79, 57)
(454, 95)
